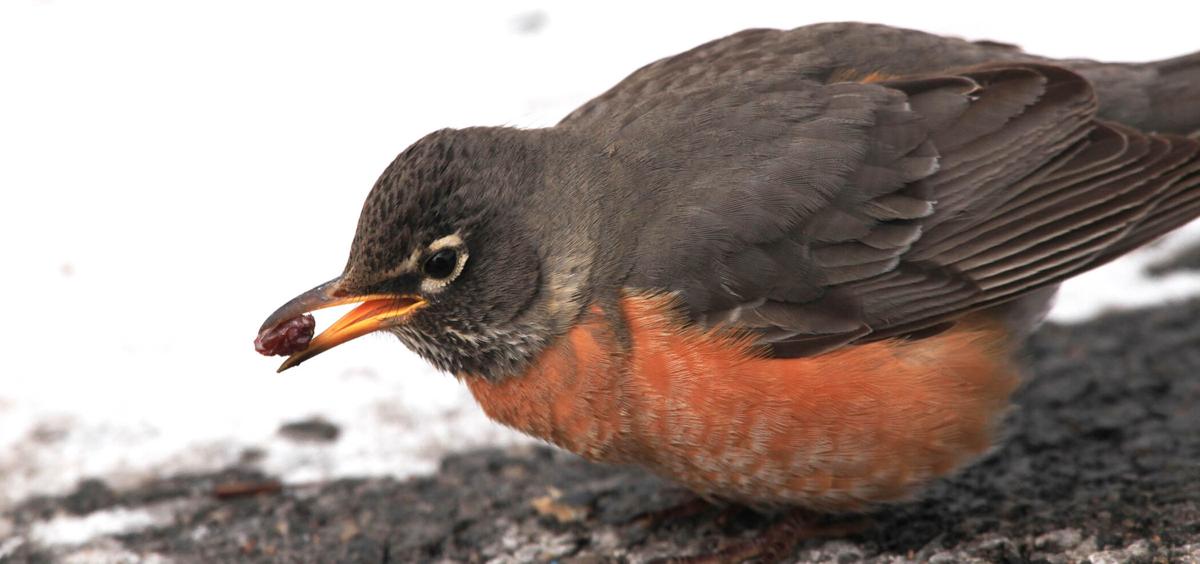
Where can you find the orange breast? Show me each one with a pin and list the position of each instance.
(861, 424)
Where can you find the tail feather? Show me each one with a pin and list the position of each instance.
(1161, 96)
(1174, 95)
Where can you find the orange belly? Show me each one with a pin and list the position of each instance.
(861, 424)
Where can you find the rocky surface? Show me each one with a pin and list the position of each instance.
(1102, 465)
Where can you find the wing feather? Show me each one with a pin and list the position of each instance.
(819, 213)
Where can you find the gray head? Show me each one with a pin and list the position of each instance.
(441, 258)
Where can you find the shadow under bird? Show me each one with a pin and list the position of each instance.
(784, 268)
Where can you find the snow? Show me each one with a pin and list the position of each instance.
(1125, 284)
(71, 530)
(10, 545)
(173, 172)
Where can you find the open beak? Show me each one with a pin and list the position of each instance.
(375, 312)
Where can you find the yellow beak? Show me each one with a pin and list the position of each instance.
(376, 312)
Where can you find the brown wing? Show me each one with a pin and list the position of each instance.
(1004, 228)
(823, 214)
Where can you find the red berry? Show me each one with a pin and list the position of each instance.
(286, 338)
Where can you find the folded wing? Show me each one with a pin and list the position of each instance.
(818, 215)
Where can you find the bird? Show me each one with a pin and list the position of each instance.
(785, 268)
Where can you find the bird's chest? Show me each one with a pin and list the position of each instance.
(861, 424)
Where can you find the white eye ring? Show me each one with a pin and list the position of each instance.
(433, 285)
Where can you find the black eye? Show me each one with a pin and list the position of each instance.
(441, 264)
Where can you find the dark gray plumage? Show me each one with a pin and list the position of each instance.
(827, 185)
(798, 193)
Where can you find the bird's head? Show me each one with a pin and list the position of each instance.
(440, 258)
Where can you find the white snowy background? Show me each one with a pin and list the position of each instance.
(170, 172)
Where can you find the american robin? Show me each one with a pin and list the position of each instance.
(781, 268)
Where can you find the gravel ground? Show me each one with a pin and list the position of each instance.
(1102, 465)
